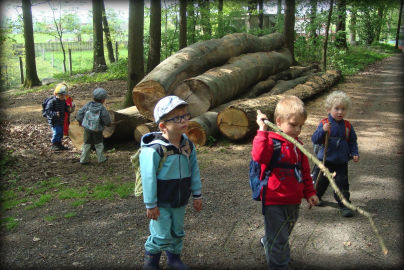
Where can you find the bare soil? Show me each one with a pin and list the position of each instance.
(225, 234)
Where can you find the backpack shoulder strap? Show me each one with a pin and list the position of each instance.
(347, 129)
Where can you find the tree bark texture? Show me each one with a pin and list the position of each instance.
(183, 24)
(124, 123)
(107, 34)
(399, 23)
(202, 127)
(341, 25)
(327, 29)
(194, 60)
(99, 64)
(31, 78)
(135, 48)
(289, 29)
(155, 35)
(143, 129)
(224, 83)
(238, 121)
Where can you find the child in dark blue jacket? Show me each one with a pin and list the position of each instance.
(342, 146)
(55, 114)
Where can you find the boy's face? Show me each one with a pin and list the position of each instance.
(338, 112)
(61, 96)
(176, 122)
(291, 126)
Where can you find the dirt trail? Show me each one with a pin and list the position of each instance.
(225, 234)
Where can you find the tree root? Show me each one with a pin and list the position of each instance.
(330, 178)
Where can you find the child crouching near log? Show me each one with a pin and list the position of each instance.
(170, 174)
(94, 117)
(341, 147)
(289, 180)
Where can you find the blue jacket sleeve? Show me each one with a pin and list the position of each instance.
(196, 184)
(149, 162)
(318, 135)
(50, 109)
(353, 145)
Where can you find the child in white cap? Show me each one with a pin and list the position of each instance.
(167, 187)
(94, 117)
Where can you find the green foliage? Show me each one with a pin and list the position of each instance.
(9, 222)
(70, 215)
(73, 193)
(43, 199)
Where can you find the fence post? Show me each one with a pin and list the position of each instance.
(43, 53)
(116, 51)
(21, 71)
(53, 59)
(70, 61)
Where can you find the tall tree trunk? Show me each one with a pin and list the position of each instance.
(289, 30)
(352, 27)
(135, 47)
(380, 15)
(183, 24)
(326, 35)
(252, 7)
(341, 25)
(107, 34)
(313, 24)
(191, 22)
(99, 64)
(155, 35)
(31, 77)
(261, 14)
(399, 23)
(205, 19)
(220, 26)
(279, 17)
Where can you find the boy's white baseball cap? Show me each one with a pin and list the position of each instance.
(166, 105)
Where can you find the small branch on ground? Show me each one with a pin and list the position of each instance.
(332, 183)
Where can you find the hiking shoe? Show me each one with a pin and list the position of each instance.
(346, 212)
(262, 242)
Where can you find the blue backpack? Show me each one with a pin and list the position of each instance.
(44, 104)
(255, 172)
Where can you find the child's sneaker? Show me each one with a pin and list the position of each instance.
(346, 212)
(174, 262)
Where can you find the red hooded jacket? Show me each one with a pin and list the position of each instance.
(283, 187)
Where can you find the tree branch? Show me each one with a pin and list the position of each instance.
(332, 183)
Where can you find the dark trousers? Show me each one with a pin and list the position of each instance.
(341, 179)
(279, 222)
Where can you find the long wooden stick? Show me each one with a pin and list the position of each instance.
(332, 183)
(324, 157)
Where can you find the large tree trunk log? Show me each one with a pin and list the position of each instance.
(267, 84)
(194, 60)
(143, 129)
(238, 121)
(124, 123)
(222, 84)
(202, 127)
(283, 86)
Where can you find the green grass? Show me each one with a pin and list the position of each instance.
(73, 193)
(9, 222)
(50, 218)
(43, 199)
(79, 202)
(70, 215)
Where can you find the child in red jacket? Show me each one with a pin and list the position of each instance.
(289, 181)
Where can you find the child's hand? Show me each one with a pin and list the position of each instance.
(327, 127)
(313, 200)
(260, 120)
(58, 114)
(153, 213)
(355, 158)
(198, 205)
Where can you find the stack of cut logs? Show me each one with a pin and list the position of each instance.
(225, 81)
